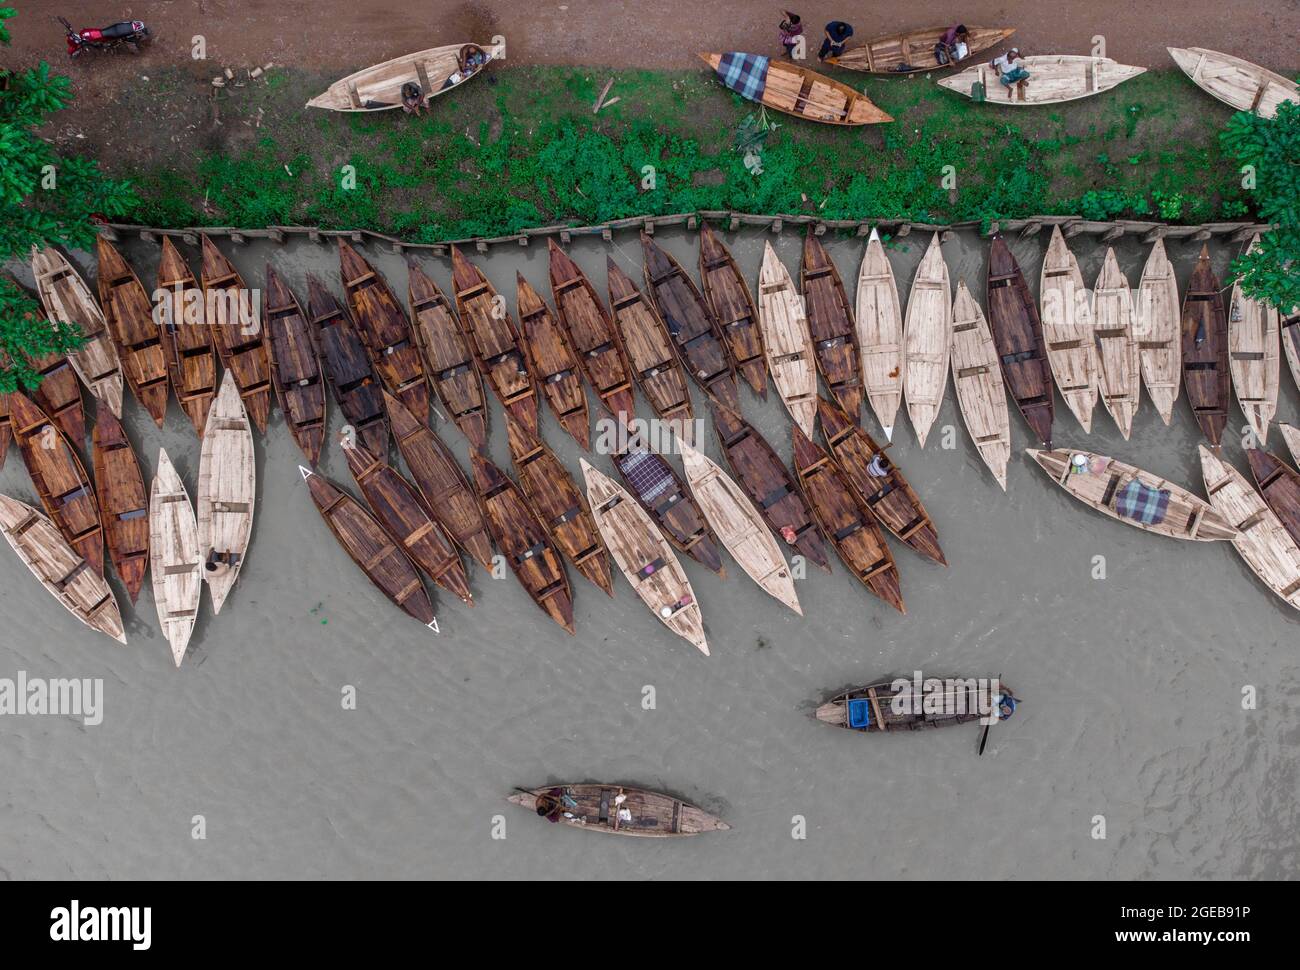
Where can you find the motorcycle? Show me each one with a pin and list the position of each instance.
(133, 34)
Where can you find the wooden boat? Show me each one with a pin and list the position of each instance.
(62, 571)
(237, 332)
(690, 324)
(448, 360)
(740, 526)
(787, 340)
(898, 705)
(880, 336)
(1279, 483)
(1289, 330)
(295, 366)
(847, 521)
(1262, 541)
(128, 315)
(6, 429)
(59, 395)
(645, 558)
(1291, 436)
(60, 479)
(398, 508)
(732, 306)
(1119, 374)
(227, 491)
(1133, 496)
(1018, 335)
(914, 51)
(371, 548)
(347, 368)
(186, 337)
(595, 808)
(655, 367)
(1237, 83)
(385, 330)
(879, 482)
(123, 502)
(68, 302)
(835, 340)
(794, 90)
(555, 498)
(1205, 350)
(1053, 78)
(379, 88)
(174, 557)
(525, 542)
(552, 362)
(977, 379)
(1155, 327)
(447, 495)
(491, 333)
(1068, 329)
(927, 340)
(591, 334)
(1253, 356)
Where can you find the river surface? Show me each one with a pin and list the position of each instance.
(1132, 718)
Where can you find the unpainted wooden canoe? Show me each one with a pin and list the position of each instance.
(1068, 329)
(237, 332)
(175, 562)
(787, 340)
(67, 577)
(358, 392)
(1156, 330)
(59, 394)
(895, 705)
(227, 491)
(6, 429)
(879, 318)
(830, 321)
(128, 315)
(123, 502)
(1236, 82)
(596, 808)
(552, 362)
(732, 305)
(186, 337)
(645, 558)
(448, 359)
(1289, 330)
(927, 340)
(1053, 78)
(794, 90)
(977, 379)
(1018, 334)
(1205, 350)
(1253, 356)
(295, 366)
(1279, 483)
(1153, 504)
(1119, 374)
(379, 88)
(1291, 435)
(914, 51)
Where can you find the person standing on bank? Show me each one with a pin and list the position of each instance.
(791, 30)
(837, 32)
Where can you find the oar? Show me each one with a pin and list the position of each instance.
(984, 738)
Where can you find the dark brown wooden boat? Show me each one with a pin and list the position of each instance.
(123, 502)
(60, 479)
(59, 395)
(591, 334)
(397, 506)
(830, 321)
(595, 808)
(383, 327)
(558, 503)
(6, 429)
(1205, 350)
(186, 337)
(846, 520)
(552, 362)
(733, 307)
(448, 359)
(129, 316)
(768, 483)
(371, 548)
(295, 366)
(690, 324)
(904, 705)
(1018, 335)
(490, 330)
(347, 368)
(447, 495)
(655, 366)
(239, 341)
(524, 541)
(1280, 485)
(878, 482)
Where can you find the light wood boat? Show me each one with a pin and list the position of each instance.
(1018, 334)
(68, 302)
(740, 526)
(1279, 483)
(787, 340)
(552, 362)
(914, 51)
(927, 340)
(1289, 329)
(830, 321)
(880, 336)
(1205, 350)
(59, 394)
(645, 558)
(732, 305)
(237, 332)
(174, 556)
(186, 337)
(1253, 356)
(1068, 329)
(1153, 504)
(977, 379)
(895, 705)
(595, 808)
(6, 429)
(794, 90)
(1119, 374)
(379, 88)
(67, 577)
(1235, 82)
(226, 493)
(1291, 435)
(295, 366)
(449, 362)
(123, 502)
(1155, 327)
(347, 369)
(1261, 541)
(1053, 78)
(128, 315)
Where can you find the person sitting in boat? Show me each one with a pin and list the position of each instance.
(221, 561)
(472, 57)
(1006, 705)
(550, 805)
(412, 98)
(953, 46)
(1012, 71)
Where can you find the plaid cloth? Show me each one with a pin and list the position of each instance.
(746, 74)
(1142, 504)
(647, 473)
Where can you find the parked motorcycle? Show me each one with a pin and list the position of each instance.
(132, 34)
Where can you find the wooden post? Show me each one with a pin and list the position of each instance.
(191, 238)
(691, 222)
(237, 238)
(776, 226)
(864, 229)
(819, 229)
(1157, 233)
(733, 223)
(1031, 228)
(566, 237)
(108, 232)
(1111, 234)
(904, 228)
(480, 246)
(439, 250)
(523, 239)
(1202, 235)
(1071, 229)
(276, 234)
(148, 236)
(314, 235)
(648, 227)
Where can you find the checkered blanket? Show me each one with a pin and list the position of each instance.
(648, 474)
(746, 74)
(1142, 504)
